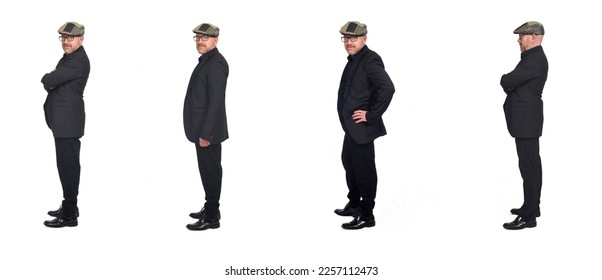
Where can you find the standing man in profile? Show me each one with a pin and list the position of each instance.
(524, 117)
(364, 95)
(205, 121)
(65, 116)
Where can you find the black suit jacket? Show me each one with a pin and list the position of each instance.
(64, 106)
(205, 102)
(367, 87)
(524, 85)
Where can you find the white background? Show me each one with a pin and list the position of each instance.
(448, 170)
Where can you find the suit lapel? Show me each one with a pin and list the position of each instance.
(354, 68)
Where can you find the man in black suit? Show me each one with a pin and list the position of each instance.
(365, 93)
(205, 121)
(65, 116)
(524, 117)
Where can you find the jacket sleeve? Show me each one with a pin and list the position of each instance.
(524, 71)
(217, 79)
(69, 70)
(383, 86)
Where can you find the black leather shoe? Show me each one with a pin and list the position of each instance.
(359, 222)
(520, 223)
(199, 215)
(61, 222)
(203, 224)
(58, 212)
(518, 211)
(347, 211)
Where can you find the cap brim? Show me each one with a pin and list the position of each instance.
(197, 32)
(64, 33)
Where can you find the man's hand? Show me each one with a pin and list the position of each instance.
(204, 143)
(359, 116)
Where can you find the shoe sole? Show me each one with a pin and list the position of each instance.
(199, 216)
(347, 214)
(513, 213)
(201, 229)
(363, 226)
(57, 215)
(65, 225)
(536, 216)
(519, 228)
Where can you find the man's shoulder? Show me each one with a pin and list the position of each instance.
(534, 56)
(79, 55)
(219, 59)
(214, 55)
(370, 55)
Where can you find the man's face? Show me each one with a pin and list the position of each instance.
(525, 41)
(354, 44)
(205, 43)
(71, 43)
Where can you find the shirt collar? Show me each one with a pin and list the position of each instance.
(359, 54)
(208, 54)
(532, 50)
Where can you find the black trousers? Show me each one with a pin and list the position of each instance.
(67, 161)
(210, 167)
(360, 172)
(529, 163)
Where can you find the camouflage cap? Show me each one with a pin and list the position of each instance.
(207, 29)
(354, 28)
(72, 28)
(530, 27)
